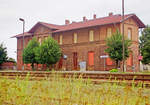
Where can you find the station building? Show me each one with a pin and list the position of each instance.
(85, 41)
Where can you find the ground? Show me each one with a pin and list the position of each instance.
(72, 91)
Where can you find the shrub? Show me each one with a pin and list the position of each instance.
(113, 70)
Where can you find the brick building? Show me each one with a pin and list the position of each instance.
(85, 41)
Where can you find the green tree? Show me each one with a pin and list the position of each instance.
(114, 47)
(3, 53)
(11, 59)
(29, 52)
(145, 45)
(49, 52)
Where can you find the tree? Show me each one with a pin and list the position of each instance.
(145, 45)
(49, 52)
(11, 59)
(3, 53)
(114, 50)
(29, 52)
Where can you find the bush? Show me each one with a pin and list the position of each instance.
(113, 70)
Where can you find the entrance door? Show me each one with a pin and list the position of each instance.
(75, 60)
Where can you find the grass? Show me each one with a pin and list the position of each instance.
(72, 91)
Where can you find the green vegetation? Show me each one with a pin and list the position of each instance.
(49, 52)
(114, 50)
(29, 52)
(145, 45)
(61, 91)
(114, 70)
(3, 53)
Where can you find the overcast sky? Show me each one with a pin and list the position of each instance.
(56, 11)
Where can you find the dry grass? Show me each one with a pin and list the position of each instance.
(60, 91)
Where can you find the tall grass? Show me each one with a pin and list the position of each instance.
(61, 91)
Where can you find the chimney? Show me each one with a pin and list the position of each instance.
(94, 16)
(111, 13)
(67, 22)
(84, 19)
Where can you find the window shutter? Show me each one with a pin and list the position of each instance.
(40, 40)
(129, 33)
(129, 60)
(109, 61)
(60, 39)
(91, 35)
(91, 58)
(75, 37)
(45, 37)
(109, 32)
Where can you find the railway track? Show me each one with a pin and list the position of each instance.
(96, 77)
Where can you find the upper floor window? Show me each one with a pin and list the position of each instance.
(45, 37)
(129, 33)
(75, 37)
(40, 40)
(60, 39)
(109, 32)
(91, 35)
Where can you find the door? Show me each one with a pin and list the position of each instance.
(75, 60)
(60, 63)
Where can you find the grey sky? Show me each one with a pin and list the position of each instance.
(56, 11)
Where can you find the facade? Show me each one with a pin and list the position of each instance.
(85, 41)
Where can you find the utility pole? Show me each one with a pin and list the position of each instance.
(123, 54)
(23, 38)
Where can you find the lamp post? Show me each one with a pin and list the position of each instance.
(23, 38)
(123, 54)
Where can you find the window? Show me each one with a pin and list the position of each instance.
(91, 35)
(91, 58)
(75, 37)
(45, 37)
(40, 40)
(60, 39)
(109, 61)
(130, 60)
(109, 32)
(129, 33)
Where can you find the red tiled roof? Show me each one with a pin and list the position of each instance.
(99, 21)
(84, 24)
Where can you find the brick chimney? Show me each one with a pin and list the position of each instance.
(84, 19)
(111, 13)
(94, 16)
(67, 22)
